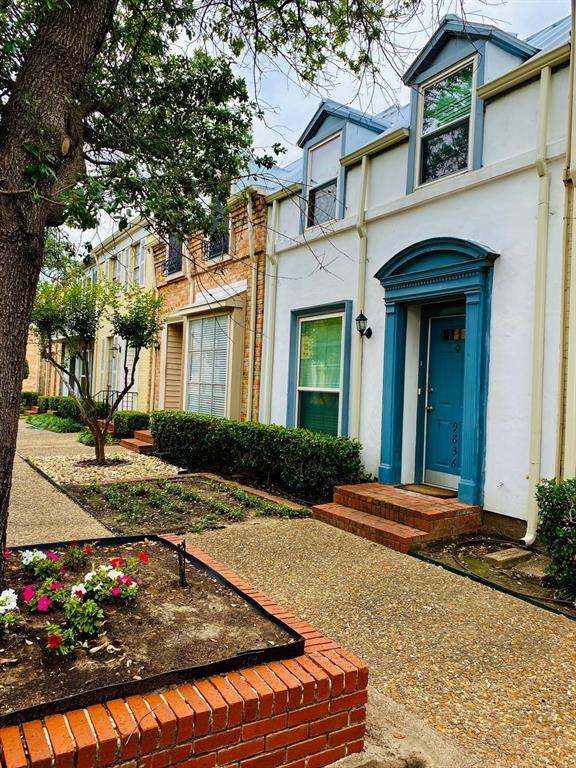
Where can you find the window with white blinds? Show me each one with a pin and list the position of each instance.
(208, 365)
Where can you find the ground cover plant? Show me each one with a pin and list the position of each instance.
(53, 423)
(193, 504)
(84, 616)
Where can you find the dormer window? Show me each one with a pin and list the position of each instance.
(446, 124)
(323, 169)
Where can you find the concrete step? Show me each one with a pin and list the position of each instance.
(138, 446)
(427, 513)
(145, 435)
(392, 534)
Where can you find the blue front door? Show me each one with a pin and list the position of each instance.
(444, 400)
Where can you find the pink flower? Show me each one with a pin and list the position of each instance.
(126, 580)
(53, 556)
(44, 604)
(29, 593)
(7, 553)
(116, 591)
(56, 585)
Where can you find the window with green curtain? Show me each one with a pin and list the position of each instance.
(319, 374)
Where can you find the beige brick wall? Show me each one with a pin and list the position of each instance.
(204, 275)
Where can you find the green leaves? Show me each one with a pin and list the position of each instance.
(557, 529)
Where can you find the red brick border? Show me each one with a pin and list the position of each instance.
(305, 712)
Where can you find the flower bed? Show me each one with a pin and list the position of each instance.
(306, 712)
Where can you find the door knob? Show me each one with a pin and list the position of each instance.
(429, 408)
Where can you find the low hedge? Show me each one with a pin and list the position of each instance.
(302, 463)
(66, 407)
(126, 422)
(29, 399)
(557, 529)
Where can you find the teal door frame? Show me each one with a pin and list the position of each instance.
(438, 269)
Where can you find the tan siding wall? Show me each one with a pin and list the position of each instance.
(174, 351)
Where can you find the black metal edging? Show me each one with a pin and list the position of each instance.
(163, 679)
(485, 582)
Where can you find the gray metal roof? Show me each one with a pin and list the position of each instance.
(551, 37)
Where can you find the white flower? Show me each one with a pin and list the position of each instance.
(29, 555)
(114, 574)
(77, 588)
(8, 601)
(89, 576)
(104, 567)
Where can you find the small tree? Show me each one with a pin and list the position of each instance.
(73, 311)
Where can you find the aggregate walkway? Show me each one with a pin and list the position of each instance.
(493, 673)
(38, 511)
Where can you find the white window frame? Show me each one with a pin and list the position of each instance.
(226, 320)
(310, 188)
(420, 119)
(331, 390)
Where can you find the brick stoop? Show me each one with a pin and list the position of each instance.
(142, 442)
(31, 411)
(304, 712)
(399, 519)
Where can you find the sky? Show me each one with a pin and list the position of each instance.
(289, 106)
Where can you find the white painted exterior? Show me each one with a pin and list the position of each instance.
(495, 205)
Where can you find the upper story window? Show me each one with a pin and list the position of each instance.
(446, 124)
(139, 264)
(323, 169)
(218, 245)
(173, 263)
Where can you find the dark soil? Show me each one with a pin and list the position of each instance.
(168, 628)
(469, 558)
(173, 506)
(94, 463)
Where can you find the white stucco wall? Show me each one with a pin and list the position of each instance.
(496, 206)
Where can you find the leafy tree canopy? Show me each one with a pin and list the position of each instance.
(157, 129)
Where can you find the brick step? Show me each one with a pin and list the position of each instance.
(392, 534)
(138, 446)
(427, 513)
(145, 435)
(110, 426)
(31, 411)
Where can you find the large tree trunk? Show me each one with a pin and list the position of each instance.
(44, 109)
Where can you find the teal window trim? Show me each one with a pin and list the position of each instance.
(465, 52)
(344, 307)
(438, 269)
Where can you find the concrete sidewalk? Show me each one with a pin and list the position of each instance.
(38, 511)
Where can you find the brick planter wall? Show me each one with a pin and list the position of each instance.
(305, 712)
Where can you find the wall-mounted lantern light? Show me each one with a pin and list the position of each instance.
(362, 326)
(156, 345)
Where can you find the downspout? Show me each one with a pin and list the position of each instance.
(151, 398)
(253, 306)
(538, 339)
(568, 395)
(272, 291)
(360, 297)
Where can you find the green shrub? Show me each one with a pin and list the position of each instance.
(305, 464)
(29, 399)
(557, 531)
(53, 423)
(85, 437)
(67, 407)
(43, 403)
(126, 422)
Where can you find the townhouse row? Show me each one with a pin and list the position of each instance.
(405, 282)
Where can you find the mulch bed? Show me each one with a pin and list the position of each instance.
(172, 506)
(168, 627)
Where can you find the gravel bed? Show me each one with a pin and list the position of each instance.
(65, 469)
(491, 672)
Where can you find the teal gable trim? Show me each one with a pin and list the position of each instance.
(435, 269)
(324, 309)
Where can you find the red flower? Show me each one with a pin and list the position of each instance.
(54, 640)
(56, 585)
(143, 557)
(88, 549)
(116, 562)
(74, 543)
(63, 571)
(79, 594)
